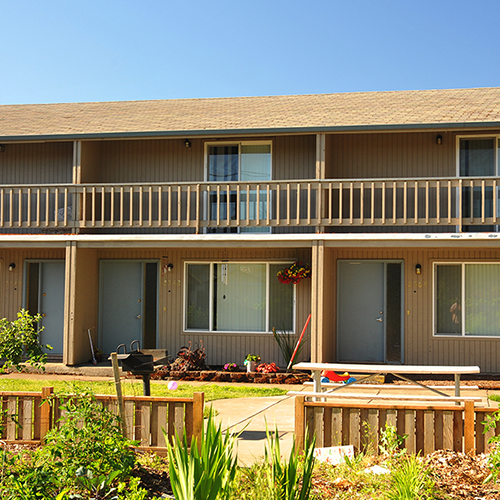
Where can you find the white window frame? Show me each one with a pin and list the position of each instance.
(239, 144)
(496, 155)
(211, 263)
(463, 335)
(478, 136)
(208, 144)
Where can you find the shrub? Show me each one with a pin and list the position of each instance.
(21, 338)
(88, 436)
(190, 359)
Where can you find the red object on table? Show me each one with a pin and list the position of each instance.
(334, 377)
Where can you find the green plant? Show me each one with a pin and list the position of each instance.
(88, 436)
(21, 339)
(100, 487)
(391, 444)
(286, 342)
(355, 463)
(494, 456)
(252, 357)
(286, 480)
(410, 480)
(252, 483)
(204, 470)
(132, 490)
(29, 482)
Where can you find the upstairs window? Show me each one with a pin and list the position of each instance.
(243, 161)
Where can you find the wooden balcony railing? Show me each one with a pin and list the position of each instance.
(448, 202)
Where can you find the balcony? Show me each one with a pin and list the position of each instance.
(453, 203)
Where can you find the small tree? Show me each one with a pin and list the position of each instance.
(21, 339)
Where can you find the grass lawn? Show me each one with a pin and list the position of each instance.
(134, 388)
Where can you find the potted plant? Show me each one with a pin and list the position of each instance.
(294, 274)
(251, 362)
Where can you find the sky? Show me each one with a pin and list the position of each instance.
(115, 50)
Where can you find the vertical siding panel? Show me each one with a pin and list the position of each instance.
(400, 155)
(37, 163)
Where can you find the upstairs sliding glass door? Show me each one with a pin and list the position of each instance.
(250, 162)
(479, 157)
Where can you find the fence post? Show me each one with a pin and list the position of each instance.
(119, 394)
(299, 423)
(469, 427)
(46, 412)
(198, 404)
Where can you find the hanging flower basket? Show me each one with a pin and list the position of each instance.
(295, 273)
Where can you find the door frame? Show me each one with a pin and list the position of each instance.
(402, 338)
(143, 262)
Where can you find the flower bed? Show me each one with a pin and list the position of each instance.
(225, 376)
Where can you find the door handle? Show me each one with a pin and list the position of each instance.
(379, 320)
(138, 316)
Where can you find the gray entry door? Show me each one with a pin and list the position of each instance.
(121, 307)
(52, 305)
(361, 319)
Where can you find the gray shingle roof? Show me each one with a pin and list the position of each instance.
(360, 110)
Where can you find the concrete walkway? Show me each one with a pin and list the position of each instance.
(248, 418)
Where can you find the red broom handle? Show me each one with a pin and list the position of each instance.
(299, 341)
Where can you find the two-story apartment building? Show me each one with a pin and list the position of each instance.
(167, 222)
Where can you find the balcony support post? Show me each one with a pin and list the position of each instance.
(319, 351)
(320, 175)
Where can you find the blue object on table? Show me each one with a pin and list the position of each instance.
(325, 380)
(349, 380)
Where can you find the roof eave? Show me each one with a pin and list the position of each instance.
(252, 131)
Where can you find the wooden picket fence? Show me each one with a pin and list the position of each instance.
(28, 416)
(428, 427)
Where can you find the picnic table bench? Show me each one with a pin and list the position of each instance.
(399, 371)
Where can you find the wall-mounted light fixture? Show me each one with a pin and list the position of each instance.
(418, 269)
(2, 148)
(439, 140)
(12, 266)
(170, 267)
(187, 143)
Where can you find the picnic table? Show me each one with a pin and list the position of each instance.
(399, 371)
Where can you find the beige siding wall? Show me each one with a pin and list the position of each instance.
(294, 157)
(11, 298)
(168, 160)
(220, 348)
(398, 155)
(420, 346)
(40, 163)
(158, 160)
